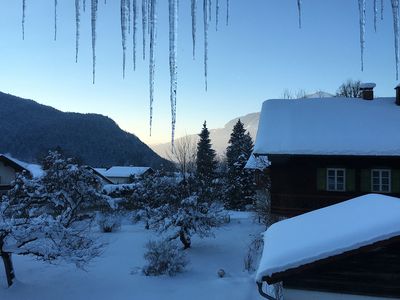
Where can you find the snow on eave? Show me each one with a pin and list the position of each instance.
(35, 169)
(329, 126)
(124, 172)
(257, 162)
(328, 232)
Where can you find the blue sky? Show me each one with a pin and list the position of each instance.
(259, 55)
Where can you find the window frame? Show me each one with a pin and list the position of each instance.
(335, 189)
(380, 184)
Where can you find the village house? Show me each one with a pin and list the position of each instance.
(122, 174)
(326, 150)
(10, 167)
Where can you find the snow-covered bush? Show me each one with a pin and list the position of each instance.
(51, 217)
(109, 221)
(253, 255)
(187, 217)
(164, 257)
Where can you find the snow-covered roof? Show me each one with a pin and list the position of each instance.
(101, 171)
(259, 162)
(329, 126)
(118, 171)
(328, 232)
(35, 170)
(367, 85)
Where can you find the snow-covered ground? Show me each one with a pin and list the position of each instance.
(117, 275)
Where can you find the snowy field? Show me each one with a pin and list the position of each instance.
(117, 273)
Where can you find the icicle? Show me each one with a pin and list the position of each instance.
(227, 12)
(84, 5)
(144, 25)
(216, 14)
(153, 35)
(381, 9)
(173, 47)
(361, 8)
(55, 20)
(23, 18)
(395, 10)
(205, 21)
(123, 33)
(375, 13)
(194, 17)
(77, 24)
(93, 21)
(209, 10)
(299, 11)
(129, 10)
(135, 16)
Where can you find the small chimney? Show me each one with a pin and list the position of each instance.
(397, 88)
(367, 90)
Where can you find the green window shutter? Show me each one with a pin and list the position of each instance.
(350, 180)
(366, 180)
(395, 181)
(321, 179)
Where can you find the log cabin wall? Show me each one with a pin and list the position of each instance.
(375, 273)
(299, 182)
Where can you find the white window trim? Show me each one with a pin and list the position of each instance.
(380, 180)
(344, 179)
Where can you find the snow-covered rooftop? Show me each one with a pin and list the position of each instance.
(101, 171)
(328, 232)
(329, 126)
(34, 169)
(367, 85)
(118, 171)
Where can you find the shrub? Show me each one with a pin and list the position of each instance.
(164, 257)
(109, 222)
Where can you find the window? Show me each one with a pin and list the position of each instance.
(380, 180)
(336, 179)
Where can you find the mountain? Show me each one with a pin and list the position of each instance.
(219, 136)
(28, 130)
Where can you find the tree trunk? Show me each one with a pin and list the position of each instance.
(185, 239)
(8, 267)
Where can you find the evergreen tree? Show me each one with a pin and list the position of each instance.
(206, 162)
(240, 191)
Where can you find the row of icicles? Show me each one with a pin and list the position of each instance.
(130, 16)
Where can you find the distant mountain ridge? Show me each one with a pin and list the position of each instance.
(28, 129)
(220, 136)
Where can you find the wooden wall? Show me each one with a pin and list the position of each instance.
(296, 186)
(375, 272)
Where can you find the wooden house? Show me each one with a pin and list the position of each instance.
(125, 174)
(8, 170)
(347, 251)
(324, 151)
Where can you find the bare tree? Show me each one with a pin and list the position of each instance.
(288, 94)
(349, 89)
(183, 155)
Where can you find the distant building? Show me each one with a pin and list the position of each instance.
(121, 174)
(99, 172)
(9, 167)
(347, 251)
(327, 150)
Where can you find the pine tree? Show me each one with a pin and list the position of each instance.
(206, 162)
(240, 191)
